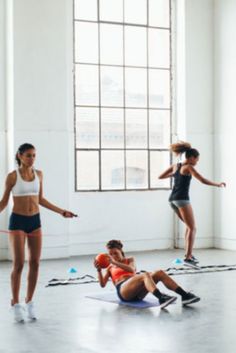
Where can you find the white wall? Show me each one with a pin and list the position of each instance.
(195, 103)
(3, 153)
(42, 104)
(225, 122)
(43, 115)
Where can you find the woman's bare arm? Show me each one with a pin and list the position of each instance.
(45, 203)
(130, 267)
(168, 173)
(203, 180)
(9, 183)
(103, 279)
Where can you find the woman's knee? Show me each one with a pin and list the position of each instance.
(192, 228)
(158, 275)
(147, 275)
(18, 267)
(34, 264)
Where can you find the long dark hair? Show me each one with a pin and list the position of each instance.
(184, 147)
(115, 244)
(23, 148)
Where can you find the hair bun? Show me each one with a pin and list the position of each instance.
(114, 243)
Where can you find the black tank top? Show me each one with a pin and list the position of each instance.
(181, 186)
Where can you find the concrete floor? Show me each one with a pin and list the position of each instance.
(70, 323)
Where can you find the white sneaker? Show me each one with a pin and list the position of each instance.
(30, 308)
(18, 311)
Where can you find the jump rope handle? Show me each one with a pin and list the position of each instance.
(72, 214)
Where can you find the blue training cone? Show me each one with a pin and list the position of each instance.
(72, 270)
(177, 261)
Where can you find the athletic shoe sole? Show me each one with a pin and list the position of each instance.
(195, 266)
(190, 301)
(32, 318)
(168, 302)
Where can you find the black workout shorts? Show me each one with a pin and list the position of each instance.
(26, 224)
(118, 287)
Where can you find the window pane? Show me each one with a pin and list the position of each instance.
(135, 87)
(136, 11)
(112, 86)
(159, 13)
(111, 10)
(122, 93)
(159, 88)
(135, 46)
(136, 128)
(87, 170)
(159, 161)
(111, 44)
(158, 48)
(86, 9)
(86, 81)
(136, 169)
(112, 126)
(112, 170)
(87, 128)
(159, 129)
(86, 42)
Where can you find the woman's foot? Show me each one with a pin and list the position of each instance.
(30, 308)
(165, 300)
(18, 312)
(190, 298)
(190, 262)
(193, 258)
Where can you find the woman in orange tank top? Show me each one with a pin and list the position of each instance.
(132, 286)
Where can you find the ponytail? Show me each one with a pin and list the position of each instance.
(180, 147)
(184, 147)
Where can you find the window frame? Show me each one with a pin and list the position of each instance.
(124, 107)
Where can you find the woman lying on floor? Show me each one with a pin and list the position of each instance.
(131, 286)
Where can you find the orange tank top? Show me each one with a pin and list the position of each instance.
(118, 272)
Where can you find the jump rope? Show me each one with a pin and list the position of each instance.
(171, 271)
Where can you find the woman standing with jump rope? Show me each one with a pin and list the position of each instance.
(179, 197)
(26, 185)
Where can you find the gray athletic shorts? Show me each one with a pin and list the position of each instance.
(176, 204)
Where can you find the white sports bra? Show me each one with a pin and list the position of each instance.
(26, 188)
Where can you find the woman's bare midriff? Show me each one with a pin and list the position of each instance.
(121, 279)
(26, 205)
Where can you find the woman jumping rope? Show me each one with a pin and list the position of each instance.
(26, 185)
(179, 197)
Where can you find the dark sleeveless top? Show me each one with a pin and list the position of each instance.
(181, 186)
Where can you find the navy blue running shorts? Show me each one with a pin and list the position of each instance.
(26, 224)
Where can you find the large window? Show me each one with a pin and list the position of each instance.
(122, 52)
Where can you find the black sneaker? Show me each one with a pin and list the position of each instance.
(165, 300)
(190, 298)
(195, 259)
(190, 263)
